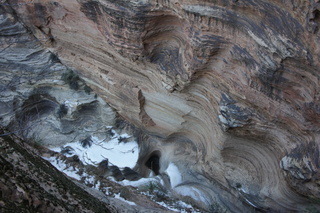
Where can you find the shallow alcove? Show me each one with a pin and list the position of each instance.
(153, 162)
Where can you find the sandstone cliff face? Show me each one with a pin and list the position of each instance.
(226, 90)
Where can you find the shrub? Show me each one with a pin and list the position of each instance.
(87, 142)
(158, 191)
(152, 186)
(110, 132)
(155, 188)
(121, 139)
(67, 150)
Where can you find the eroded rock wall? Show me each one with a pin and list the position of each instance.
(40, 97)
(227, 90)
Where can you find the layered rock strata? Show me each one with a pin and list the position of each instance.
(40, 97)
(226, 90)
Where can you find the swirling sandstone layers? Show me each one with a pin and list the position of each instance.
(227, 90)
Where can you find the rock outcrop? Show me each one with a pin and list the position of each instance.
(227, 90)
(40, 97)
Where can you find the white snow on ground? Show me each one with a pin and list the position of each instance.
(168, 207)
(125, 135)
(74, 173)
(183, 206)
(120, 198)
(186, 206)
(122, 154)
(63, 167)
(174, 175)
(140, 182)
(192, 192)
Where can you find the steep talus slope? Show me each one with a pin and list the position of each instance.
(226, 90)
(31, 184)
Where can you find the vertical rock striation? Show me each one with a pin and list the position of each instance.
(226, 90)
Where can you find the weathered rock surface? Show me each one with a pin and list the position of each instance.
(226, 90)
(30, 184)
(40, 97)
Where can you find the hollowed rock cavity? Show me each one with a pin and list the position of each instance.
(153, 162)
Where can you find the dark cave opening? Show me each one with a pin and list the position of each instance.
(153, 162)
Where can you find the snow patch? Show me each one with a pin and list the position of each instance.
(117, 196)
(125, 135)
(167, 206)
(174, 175)
(181, 207)
(61, 166)
(122, 154)
(140, 182)
(196, 194)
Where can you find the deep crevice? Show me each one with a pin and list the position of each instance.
(153, 162)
